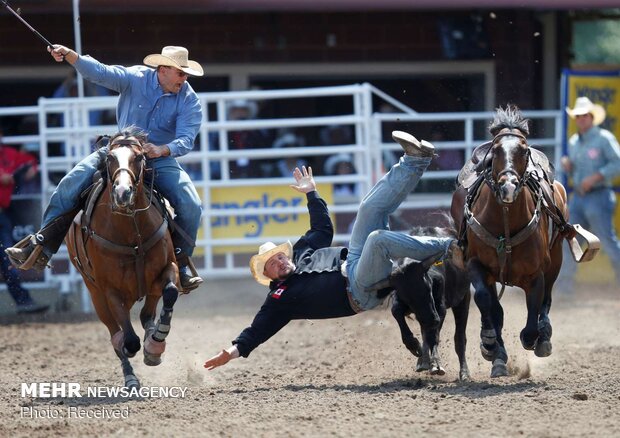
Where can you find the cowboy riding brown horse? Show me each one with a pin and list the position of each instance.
(514, 218)
(121, 244)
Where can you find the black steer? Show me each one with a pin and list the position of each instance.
(427, 291)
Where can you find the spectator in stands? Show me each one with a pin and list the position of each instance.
(341, 164)
(285, 165)
(592, 163)
(242, 166)
(13, 164)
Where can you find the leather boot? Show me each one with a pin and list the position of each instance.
(188, 282)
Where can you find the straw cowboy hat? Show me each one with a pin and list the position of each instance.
(173, 56)
(265, 252)
(583, 106)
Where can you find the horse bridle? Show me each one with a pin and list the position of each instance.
(131, 143)
(127, 143)
(488, 174)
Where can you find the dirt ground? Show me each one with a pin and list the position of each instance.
(344, 377)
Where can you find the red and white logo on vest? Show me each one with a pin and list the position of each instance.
(276, 294)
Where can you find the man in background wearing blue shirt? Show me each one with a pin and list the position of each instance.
(593, 162)
(159, 101)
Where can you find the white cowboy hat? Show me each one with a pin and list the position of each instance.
(173, 56)
(265, 252)
(583, 106)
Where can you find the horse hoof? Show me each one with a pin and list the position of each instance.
(499, 369)
(422, 366)
(543, 349)
(151, 360)
(488, 353)
(464, 376)
(527, 344)
(438, 371)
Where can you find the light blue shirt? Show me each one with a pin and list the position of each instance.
(168, 118)
(596, 150)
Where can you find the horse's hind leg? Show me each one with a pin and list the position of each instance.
(155, 344)
(461, 314)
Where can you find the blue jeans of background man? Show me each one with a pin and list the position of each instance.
(170, 179)
(372, 246)
(11, 277)
(594, 211)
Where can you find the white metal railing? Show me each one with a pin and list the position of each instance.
(369, 148)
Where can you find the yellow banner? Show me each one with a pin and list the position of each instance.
(260, 225)
(604, 90)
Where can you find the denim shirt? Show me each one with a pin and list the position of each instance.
(168, 118)
(594, 151)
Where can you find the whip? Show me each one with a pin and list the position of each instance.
(41, 37)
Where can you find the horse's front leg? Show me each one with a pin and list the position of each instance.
(155, 343)
(491, 315)
(120, 309)
(543, 344)
(534, 299)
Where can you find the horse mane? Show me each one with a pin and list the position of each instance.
(511, 118)
(131, 131)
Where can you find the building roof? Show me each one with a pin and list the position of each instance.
(192, 6)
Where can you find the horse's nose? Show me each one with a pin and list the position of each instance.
(122, 194)
(508, 188)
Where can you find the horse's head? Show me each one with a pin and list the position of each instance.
(125, 164)
(509, 153)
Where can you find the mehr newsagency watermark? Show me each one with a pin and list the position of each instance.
(73, 390)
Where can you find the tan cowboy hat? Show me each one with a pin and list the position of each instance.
(174, 56)
(265, 252)
(583, 106)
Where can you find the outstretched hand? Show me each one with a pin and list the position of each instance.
(304, 179)
(222, 358)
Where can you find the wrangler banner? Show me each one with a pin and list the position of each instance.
(260, 225)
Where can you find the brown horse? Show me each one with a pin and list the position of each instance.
(514, 217)
(121, 245)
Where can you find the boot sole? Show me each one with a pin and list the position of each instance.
(404, 138)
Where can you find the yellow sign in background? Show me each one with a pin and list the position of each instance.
(261, 226)
(602, 88)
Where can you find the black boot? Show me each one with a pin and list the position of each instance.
(36, 250)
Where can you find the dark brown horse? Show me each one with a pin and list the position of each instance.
(514, 218)
(121, 245)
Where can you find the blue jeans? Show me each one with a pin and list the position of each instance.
(372, 246)
(170, 179)
(11, 277)
(594, 211)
